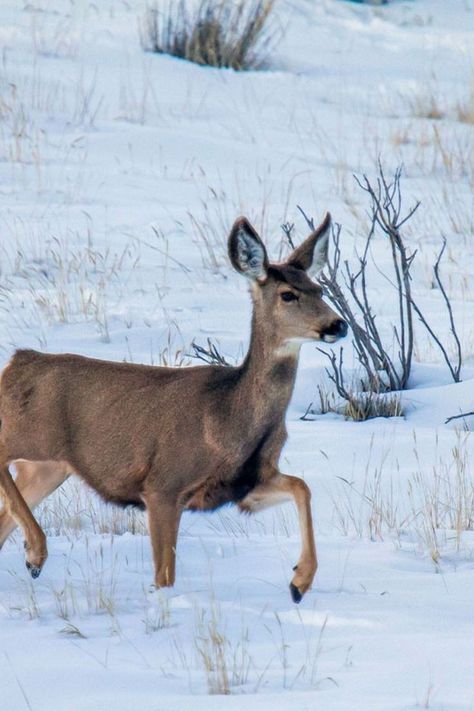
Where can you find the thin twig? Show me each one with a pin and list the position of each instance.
(309, 220)
(458, 417)
(208, 355)
(457, 368)
(306, 413)
(288, 228)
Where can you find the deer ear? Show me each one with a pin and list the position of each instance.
(312, 254)
(247, 251)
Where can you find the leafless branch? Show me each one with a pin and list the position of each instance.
(454, 368)
(458, 417)
(305, 417)
(288, 228)
(456, 371)
(209, 355)
(335, 374)
(309, 220)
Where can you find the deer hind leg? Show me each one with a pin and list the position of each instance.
(35, 481)
(163, 524)
(18, 509)
(276, 490)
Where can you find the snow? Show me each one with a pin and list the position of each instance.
(120, 175)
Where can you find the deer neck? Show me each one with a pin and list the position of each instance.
(268, 372)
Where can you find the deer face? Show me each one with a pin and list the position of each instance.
(288, 302)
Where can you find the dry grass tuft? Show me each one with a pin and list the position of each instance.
(427, 105)
(366, 406)
(430, 509)
(359, 406)
(465, 109)
(215, 33)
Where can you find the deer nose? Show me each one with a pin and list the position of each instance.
(337, 329)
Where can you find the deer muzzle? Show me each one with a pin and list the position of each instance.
(337, 329)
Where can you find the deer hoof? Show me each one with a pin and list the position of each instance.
(34, 570)
(296, 596)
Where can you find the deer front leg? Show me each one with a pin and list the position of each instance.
(276, 490)
(163, 524)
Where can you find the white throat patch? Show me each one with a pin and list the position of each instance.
(291, 347)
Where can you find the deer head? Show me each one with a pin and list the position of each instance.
(289, 305)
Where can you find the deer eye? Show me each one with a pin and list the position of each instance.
(288, 296)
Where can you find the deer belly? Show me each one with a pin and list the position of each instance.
(215, 492)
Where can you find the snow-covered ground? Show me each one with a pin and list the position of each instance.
(120, 175)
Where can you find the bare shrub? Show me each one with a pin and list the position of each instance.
(347, 288)
(216, 33)
(383, 372)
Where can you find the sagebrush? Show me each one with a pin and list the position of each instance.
(216, 33)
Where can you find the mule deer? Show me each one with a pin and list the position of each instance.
(171, 439)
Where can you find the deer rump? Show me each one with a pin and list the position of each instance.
(87, 406)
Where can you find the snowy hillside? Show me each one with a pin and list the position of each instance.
(121, 173)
